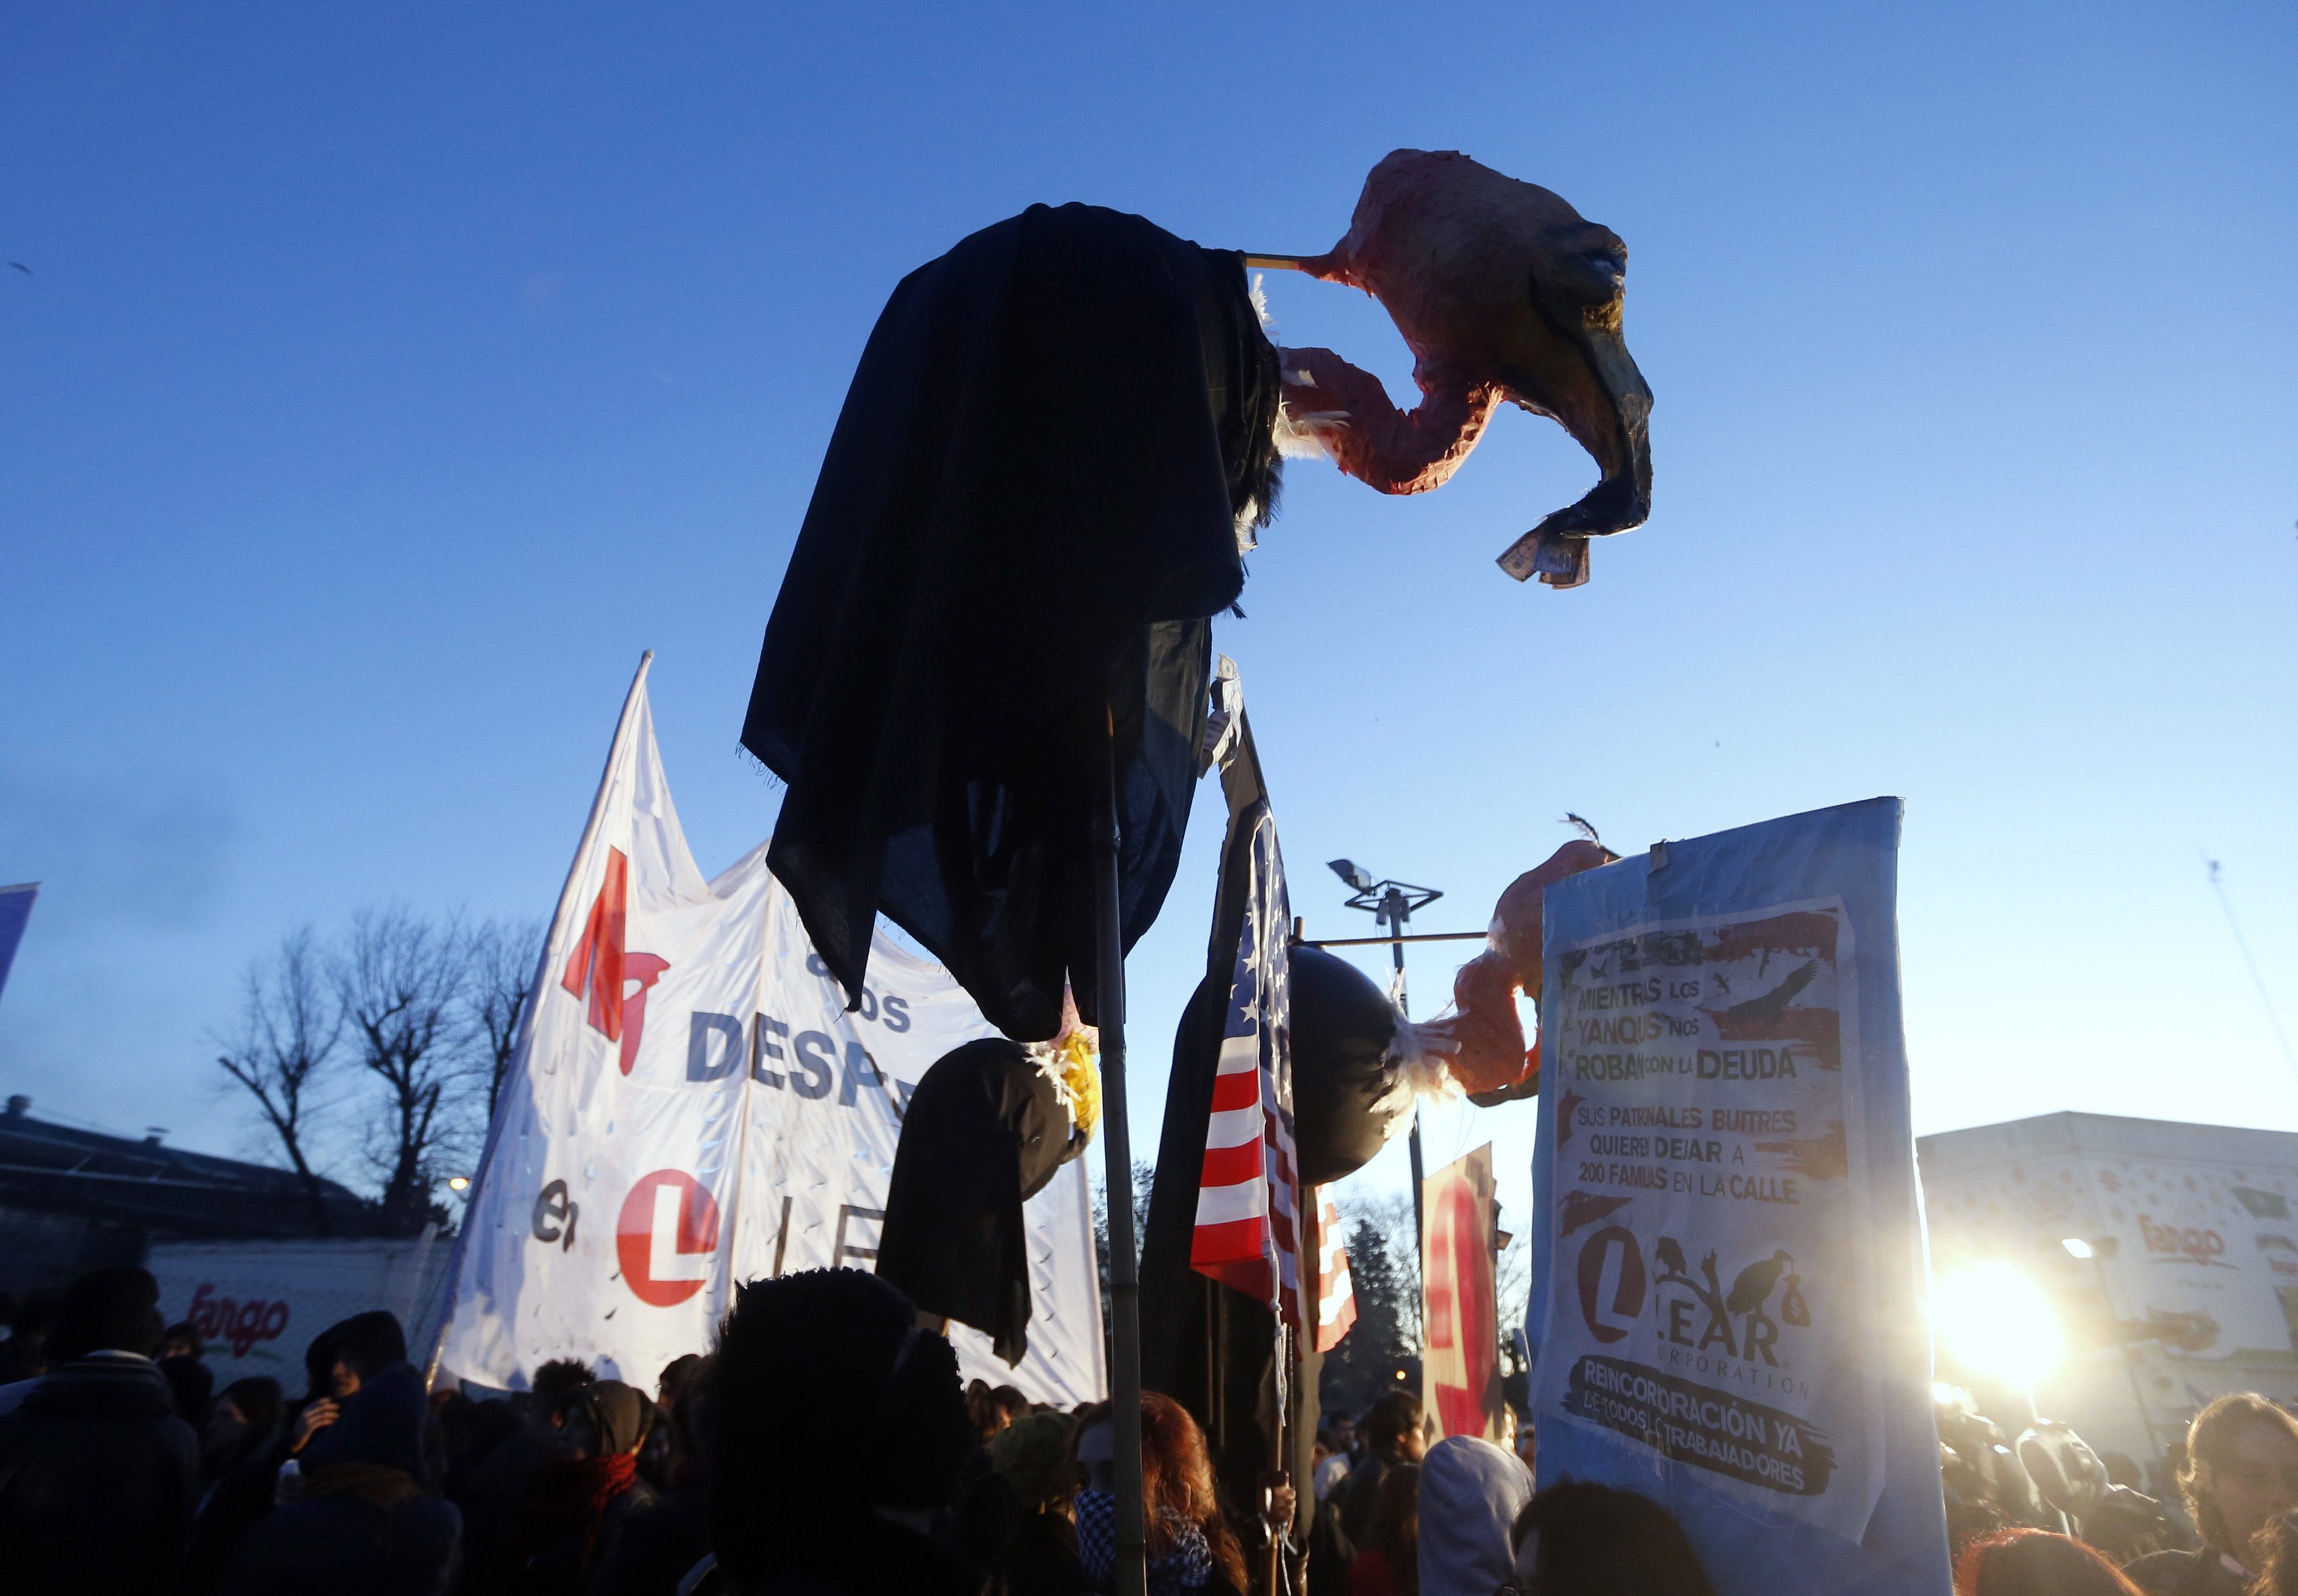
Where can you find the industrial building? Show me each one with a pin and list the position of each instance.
(72, 1199)
(2168, 1254)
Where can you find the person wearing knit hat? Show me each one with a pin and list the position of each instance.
(839, 1430)
(1032, 1456)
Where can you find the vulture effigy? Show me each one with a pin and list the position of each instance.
(1503, 293)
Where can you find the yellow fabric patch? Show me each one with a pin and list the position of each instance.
(1073, 1062)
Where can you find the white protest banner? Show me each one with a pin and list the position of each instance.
(1728, 1299)
(1460, 1299)
(691, 1105)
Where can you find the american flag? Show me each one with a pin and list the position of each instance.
(1247, 1198)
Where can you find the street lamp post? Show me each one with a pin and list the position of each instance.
(1392, 903)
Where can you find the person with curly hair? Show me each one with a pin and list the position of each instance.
(1191, 1546)
(2278, 1556)
(2034, 1562)
(2241, 1471)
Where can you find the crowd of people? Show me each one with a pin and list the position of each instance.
(2224, 1522)
(827, 1446)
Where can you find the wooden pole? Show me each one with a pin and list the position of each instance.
(1117, 1148)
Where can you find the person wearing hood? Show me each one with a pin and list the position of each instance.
(343, 1358)
(241, 1424)
(579, 1499)
(651, 1551)
(362, 1524)
(339, 1359)
(98, 1478)
(1470, 1495)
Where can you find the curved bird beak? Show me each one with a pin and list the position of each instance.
(1599, 397)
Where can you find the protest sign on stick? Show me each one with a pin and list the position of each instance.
(1728, 1299)
(1459, 1300)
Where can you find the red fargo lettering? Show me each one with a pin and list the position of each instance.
(240, 1324)
(2182, 1242)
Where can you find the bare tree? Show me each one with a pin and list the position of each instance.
(498, 977)
(1371, 1358)
(288, 1028)
(400, 983)
(1145, 1180)
(1513, 1278)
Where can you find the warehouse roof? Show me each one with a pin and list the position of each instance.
(59, 1169)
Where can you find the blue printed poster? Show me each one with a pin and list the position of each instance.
(1728, 1294)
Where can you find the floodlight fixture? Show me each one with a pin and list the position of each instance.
(1390, 903)
(2076, 1247)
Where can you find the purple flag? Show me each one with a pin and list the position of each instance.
(15, 909)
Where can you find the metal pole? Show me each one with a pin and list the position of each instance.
(1395, 911)
(1124, 1262)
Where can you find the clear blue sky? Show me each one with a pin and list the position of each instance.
(387, 378)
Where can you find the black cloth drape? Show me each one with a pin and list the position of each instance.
(984, 1132)
(1028, 510)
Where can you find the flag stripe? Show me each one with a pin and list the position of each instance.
(1237, 1091)
(1236, 1128)
(1336, 1300)
(1227, 1243)
(1230, 1166)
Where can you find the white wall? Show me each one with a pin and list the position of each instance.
(260, 1303)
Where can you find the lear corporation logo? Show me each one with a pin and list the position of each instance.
(1695, 1310)
(666, 1237)
(602, 966)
